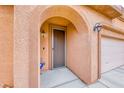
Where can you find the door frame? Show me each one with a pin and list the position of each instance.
(58, 27)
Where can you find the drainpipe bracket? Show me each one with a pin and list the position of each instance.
(97, 27)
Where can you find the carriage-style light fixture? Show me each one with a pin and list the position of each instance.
(43, 33)
(97, 27)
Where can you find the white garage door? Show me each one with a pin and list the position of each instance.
(112, 53)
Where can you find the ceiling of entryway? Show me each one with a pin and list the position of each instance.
(58, 21)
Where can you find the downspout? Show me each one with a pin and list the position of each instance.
(97, 28)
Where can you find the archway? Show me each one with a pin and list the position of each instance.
(30, 38)
(60, 52)
(75, 17)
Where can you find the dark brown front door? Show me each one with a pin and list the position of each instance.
(59, 48)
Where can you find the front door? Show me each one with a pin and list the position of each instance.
(58, 48)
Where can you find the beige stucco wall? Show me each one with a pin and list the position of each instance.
(22, 56)
(32, 18)
(94, 17)
(23, 49)
(117, 23)
(28, 21)
(6, 45)
(26, 48)
(77, 53)
(44, 43)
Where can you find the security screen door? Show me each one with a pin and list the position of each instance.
(58, 48)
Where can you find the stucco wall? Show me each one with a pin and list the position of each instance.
(26, 54)
(28, 20)
(44, 43)
(77, 52)
(21, 47)
(94, 17)
(118, 23)
(6, 45)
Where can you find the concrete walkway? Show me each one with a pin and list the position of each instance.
(64, 78)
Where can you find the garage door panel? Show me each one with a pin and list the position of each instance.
(112, 53)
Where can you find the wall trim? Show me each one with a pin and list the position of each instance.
(111, 28)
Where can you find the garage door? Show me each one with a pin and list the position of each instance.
(112, 53)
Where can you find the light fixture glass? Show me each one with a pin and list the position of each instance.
(43, 33)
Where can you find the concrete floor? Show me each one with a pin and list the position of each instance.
(64, 78)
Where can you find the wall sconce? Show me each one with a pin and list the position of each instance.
(43, 33)
(97, 27)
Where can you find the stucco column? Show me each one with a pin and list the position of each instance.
(21, 49)
(26, 59)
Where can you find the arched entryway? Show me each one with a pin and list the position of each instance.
(30, 37)
(52, 30)
(81, 67)
(61, 51)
